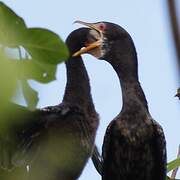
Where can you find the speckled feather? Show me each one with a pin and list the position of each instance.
(134, 151)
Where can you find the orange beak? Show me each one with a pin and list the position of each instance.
(92, 45)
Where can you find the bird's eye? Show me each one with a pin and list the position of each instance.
(101, 26)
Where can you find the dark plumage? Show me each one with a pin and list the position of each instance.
(134, 144)
(56, 141)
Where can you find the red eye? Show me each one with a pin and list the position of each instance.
(101, 27)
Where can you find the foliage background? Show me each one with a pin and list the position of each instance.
(148, 23)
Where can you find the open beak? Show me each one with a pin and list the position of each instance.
(92, 45)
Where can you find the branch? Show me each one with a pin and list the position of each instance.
(175, 27)
(174, 172)
(97, 160)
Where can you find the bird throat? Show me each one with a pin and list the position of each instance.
(129, 81)
(77, 90)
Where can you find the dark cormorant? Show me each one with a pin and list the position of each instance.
(60, 138)
(134, 144)
(178, 93)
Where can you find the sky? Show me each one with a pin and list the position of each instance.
(147, 23)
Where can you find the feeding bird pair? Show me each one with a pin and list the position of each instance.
(134, 144)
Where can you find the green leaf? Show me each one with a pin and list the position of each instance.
(7, 80)
(45, 46)
(31, 69)
(173, 164)
(168, 178)
(11, 27)
(48, 72)
(30, 95)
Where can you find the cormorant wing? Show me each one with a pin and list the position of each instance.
(97, 160)
(18, 133)
(158, 146)
(23, 131)
(160, 152)
(107, 147)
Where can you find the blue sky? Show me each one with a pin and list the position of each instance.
(147, 22)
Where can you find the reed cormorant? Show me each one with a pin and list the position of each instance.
(57, 141)
(134, 144)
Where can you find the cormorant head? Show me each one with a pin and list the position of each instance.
(107, 41)
(77, 39)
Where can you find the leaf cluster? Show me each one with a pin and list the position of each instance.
(38, 52)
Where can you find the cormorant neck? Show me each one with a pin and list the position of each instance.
(126, 68)
(78, 90)
(132, 93)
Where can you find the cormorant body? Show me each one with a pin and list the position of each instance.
(57, 141)
(134, 144)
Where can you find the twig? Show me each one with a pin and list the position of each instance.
(175, 27)
(174, 172)
(97, 160)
